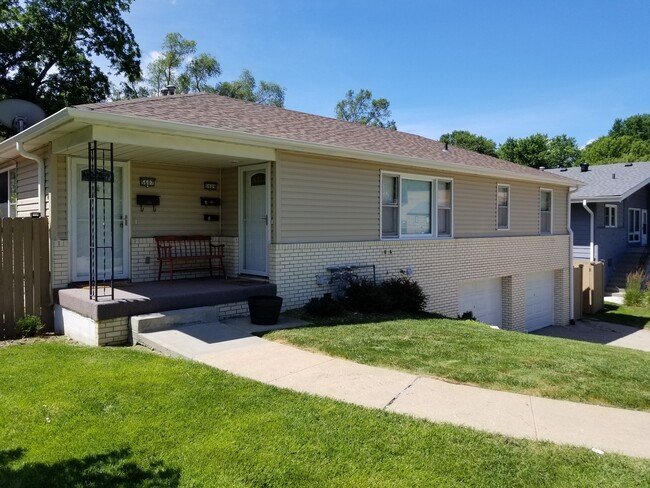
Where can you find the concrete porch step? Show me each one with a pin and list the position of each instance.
(152, 322)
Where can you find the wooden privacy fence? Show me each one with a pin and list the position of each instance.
(24, 273)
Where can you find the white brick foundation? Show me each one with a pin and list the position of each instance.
(439, 266)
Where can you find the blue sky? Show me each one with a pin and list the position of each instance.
(496, 68)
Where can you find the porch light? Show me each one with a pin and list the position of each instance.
(147, 181)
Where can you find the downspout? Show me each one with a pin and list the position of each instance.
(591, 231)
(572, 318)
(41, 175)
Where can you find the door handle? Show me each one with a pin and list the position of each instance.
(126, 221)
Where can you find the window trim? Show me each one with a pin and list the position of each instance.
(608, 220)
(433, 180)
(550, 225)
(499, 187)
(630, 232)
(12, 207)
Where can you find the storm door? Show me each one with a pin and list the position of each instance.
(254, 220)
(79, 223)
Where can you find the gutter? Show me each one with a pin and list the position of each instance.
(41, 175)
(591, 230)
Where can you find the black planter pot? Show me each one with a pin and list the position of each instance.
(264, 309)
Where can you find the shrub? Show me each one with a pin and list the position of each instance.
(469, 315)
(406, 294)
(30, 325)
(364, 296)
(324, 307)
(633, 288)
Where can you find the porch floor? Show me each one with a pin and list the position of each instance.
(157, 296)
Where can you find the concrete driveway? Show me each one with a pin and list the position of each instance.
(601, 333)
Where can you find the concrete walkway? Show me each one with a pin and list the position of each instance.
(601, 333)
(231, 347)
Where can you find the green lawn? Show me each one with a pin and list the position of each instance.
(622, 314)
(473, 353)
(79, 416)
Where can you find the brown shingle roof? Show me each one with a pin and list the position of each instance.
(209, 110)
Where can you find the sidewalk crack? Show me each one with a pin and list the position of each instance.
(394, 399)
(532, 414)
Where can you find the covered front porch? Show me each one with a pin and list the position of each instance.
(109, 321)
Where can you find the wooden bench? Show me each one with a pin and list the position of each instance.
(175, 249)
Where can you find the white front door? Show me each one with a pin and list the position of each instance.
(254, 220)
(79, 224)
(644, 227)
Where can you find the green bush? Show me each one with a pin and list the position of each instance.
(366, 297)
(30, 325)
(469, 315)
(324, 307)
(405, 294)
(634, 294)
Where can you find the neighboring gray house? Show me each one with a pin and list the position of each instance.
(617, 195)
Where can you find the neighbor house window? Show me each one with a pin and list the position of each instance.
(634, 225)
(545, 211)
(8, 197)
(503, 207)
(413, 206)
(610, 216)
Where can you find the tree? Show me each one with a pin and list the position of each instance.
(611, 149)
(562, 151)
(627, 141)
(175, 51)
(363, 109)
(538, 150)
(47, 50)
(636, 126)
(197, 73)
(527, 151)
(245, 88)
(472, 142)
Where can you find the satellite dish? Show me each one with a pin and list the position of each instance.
(17, 115)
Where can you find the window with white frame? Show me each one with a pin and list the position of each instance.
(503, 207)
(610, 216)
(545, 211)
(414, 206)
(634, 225)
(8, 197)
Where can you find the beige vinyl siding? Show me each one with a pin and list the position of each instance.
(323, 200)
(230, 202)
(180, 211)
(27, 188)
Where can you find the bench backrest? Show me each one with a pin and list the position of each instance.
(183, 246)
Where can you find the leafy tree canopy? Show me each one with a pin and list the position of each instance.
(47, 49)
(637, 126)
(178, 66)
(612, 149)
(246, 88)
(539, 150)
(363, 109)
(467, 140)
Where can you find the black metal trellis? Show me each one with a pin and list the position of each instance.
(101, 178)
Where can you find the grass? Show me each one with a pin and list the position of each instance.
(473, 353)
(79, 416)
(624, 314)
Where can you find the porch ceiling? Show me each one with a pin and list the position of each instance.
(160, 148)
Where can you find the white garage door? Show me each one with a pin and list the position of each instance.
(539, 300)
(483, 298)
